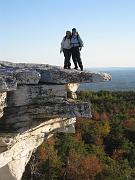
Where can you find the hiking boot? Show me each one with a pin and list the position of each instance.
(81, 68)
(76, 68)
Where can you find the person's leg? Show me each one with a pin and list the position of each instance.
(73, 52)
(65, 52)
(78, 57)
(69, 56)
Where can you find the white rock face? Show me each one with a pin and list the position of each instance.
(71, 90)
(36, 101)
(72, 87)
(20, 147)
(3, 96)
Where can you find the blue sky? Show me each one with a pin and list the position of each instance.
(32, 30)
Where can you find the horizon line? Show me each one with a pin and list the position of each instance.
(111, 67)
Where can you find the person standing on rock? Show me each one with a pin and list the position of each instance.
(76, 44)
(66, 49)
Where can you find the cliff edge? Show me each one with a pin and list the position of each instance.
(36, 101)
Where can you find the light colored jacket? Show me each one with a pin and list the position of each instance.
(66, 43)
(76, 41)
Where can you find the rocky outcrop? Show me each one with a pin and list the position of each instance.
(36, 101)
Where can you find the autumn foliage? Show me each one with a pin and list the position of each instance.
(103, 147)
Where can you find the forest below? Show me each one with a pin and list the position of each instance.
(103, 147)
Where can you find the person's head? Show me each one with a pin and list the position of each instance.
(68, 34)
(74, 31)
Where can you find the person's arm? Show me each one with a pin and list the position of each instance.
(80, 41)
(62, 44)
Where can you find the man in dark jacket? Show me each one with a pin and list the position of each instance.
(76, 44)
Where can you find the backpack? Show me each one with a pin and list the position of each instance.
(71, 37)
(77, 40)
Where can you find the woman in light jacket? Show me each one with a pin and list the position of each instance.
(66, 49)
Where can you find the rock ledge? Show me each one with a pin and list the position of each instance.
(36, 101)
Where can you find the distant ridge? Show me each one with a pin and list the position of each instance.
(110, 68)
(123, 79)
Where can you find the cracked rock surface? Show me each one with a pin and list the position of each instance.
(36, 101)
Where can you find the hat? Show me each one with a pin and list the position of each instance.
(74, 29)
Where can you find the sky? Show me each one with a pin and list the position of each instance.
(32, 30)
